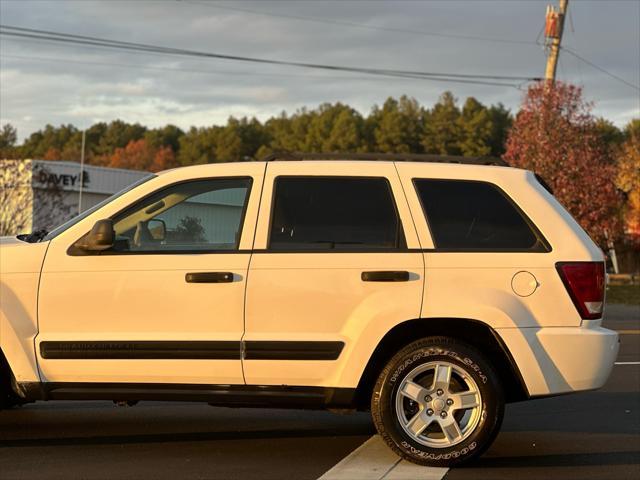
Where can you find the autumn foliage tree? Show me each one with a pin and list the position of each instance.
(555, 135)
(140, 155)
(628, 180)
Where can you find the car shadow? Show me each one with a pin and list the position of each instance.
(85, 429)
(183, 437)
(556, 460)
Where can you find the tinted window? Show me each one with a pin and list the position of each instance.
(199, 215)
(338, 213)
(468, 215)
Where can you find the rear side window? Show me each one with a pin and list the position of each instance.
(469, 215)
(334, 213)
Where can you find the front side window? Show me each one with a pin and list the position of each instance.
(70, 223)
(475, 216)
(190, 216)
(334, 213)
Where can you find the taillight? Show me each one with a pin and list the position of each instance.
(585, 283)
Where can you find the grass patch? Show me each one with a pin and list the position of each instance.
(627, 294)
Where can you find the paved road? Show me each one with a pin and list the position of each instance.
(588, 435)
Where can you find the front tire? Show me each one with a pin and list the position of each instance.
(6, 402)
(438, 402)
(8, 398)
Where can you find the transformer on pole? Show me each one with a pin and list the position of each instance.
(554, 26)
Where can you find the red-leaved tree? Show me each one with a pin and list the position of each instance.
(554, 135)
(140, 155)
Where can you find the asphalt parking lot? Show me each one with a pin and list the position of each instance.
(583, 436)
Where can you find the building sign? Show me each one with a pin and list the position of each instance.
(49, 174)
(62, 180)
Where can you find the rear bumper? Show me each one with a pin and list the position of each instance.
(563, 359)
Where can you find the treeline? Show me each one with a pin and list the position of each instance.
(592, 165)
(399, 125)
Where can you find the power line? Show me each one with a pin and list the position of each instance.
(435, 77)
(556, 47)
(65, 37)
(225, 72)
(360, 25)
(59, 37)
(597, 67)
(87, 47)
(407, 31)
(187, 70)
(577, 62)
(537, 42)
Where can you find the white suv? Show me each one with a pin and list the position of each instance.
(430, 290)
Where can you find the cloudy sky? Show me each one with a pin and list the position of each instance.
(44, 83)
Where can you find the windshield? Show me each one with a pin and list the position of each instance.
(57, 231)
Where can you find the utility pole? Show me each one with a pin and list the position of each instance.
(554, 27)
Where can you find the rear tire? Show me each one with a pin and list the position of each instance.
(438, 402)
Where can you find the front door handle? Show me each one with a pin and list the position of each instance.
(386, 276)
(209, 277)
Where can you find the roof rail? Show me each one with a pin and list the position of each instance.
(391, 157)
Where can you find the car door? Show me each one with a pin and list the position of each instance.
(166, 303)
(336, 265)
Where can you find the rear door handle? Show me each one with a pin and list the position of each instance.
(386, 276)
(209, 277)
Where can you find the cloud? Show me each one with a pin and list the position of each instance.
(44, 83)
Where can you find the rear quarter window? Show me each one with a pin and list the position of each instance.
(476, 216)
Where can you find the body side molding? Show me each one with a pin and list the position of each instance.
(272, 350)
(150, 350)
(207, 350)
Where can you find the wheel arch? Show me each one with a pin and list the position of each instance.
(474, 332)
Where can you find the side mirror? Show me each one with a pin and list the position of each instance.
(157, 229)
(101, 236)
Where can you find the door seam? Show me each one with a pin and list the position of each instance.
(246, 282)
(415, 228)
(35, 337)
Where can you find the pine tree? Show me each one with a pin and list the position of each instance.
(398, 126)
(441, 127)
(347, 133)
(501, 121)
(475, 128)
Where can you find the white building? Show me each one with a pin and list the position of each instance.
(41, 194)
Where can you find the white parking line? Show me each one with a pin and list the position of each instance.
(410, 471)
(373, 460)
(627, 363)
